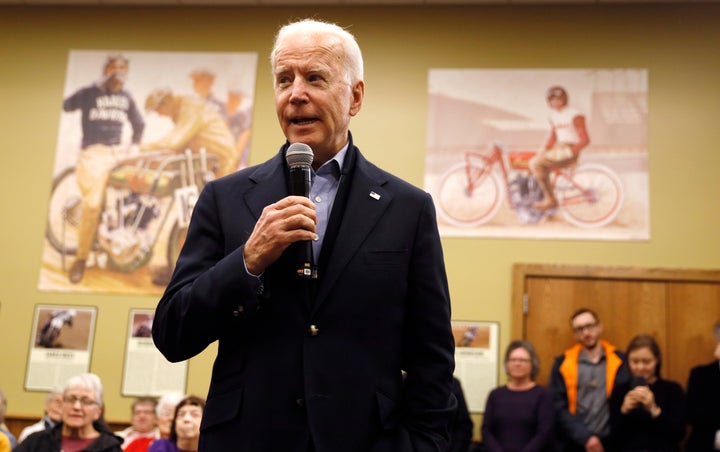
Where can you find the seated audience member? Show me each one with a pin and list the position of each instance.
(81, 428)
(52, 415)
(461, 428)
(143, 424)
(703, 402)
(3, 428)
(185, 432)
(647, 413)
(520, 415)
(166, 411)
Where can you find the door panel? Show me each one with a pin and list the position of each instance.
(624, 308)
(677, 307)
(693, 310)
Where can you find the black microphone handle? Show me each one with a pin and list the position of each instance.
(300, 180)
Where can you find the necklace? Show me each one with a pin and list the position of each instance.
(593, 383)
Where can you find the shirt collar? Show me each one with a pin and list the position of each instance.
(339, 157)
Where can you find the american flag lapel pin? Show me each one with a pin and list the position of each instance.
(374, 195)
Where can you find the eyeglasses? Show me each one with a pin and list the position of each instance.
(518, 360)
(581, 328)
(84, 401)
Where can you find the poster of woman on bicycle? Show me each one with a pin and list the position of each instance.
(139, 136)
(539, 153)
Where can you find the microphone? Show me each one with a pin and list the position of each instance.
(299, 157)
(637, 381)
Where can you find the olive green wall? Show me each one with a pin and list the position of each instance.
(679, 45)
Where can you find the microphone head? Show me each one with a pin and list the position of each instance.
(299, 155)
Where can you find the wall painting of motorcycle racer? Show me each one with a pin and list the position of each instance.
(140, 134)
(61, 341)
(539, 153)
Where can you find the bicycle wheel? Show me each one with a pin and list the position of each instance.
(461, 205)
(592, 198)
(64, 213)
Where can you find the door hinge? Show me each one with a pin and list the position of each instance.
(525, 304)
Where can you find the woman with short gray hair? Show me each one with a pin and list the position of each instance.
(81, 428)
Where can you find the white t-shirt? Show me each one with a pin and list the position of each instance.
(562, 123)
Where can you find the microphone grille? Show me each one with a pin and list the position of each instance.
(299, 155)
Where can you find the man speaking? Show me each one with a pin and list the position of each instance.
(359, 356)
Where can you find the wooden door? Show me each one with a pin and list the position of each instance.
(693, 309)
(667, 304)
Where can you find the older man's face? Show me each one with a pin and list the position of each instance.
(313, 99)
(54, 407)
(144, 418)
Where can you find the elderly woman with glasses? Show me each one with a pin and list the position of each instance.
(520, 415)
(81, 428)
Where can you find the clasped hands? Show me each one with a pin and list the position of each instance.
(640, 396)
(292, 219)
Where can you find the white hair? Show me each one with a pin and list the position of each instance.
(353, 59)
(86, 381)
(170, 400)
(56, 390)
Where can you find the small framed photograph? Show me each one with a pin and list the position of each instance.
(146, 371)
(476, 360)
(62, 338)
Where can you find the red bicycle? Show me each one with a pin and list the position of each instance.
(471, 193)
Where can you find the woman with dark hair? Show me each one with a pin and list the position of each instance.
(520, 415)
(648, 413)
(185, 432)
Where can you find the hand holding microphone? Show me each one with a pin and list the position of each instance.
(290, 220)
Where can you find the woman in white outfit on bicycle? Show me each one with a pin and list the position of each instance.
(568, 136)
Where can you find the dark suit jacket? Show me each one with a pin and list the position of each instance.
(298, 360)
(703, 399)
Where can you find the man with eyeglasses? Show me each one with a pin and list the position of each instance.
(581, 381)
(81, 428)
(143, 425)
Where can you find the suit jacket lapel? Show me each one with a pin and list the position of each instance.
(271, 185)
(367, 200)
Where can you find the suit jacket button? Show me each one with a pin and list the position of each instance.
(238, 311)
(300, 402)
(313, 330)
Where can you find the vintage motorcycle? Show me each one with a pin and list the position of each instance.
(142, 195)
(470, 193)
(53, 326)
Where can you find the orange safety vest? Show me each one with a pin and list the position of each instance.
(569, 371)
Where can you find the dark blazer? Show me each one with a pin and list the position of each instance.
(321, 361)
(51, 440)
(703, 404)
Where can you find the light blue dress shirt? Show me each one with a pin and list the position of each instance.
(323, 188)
